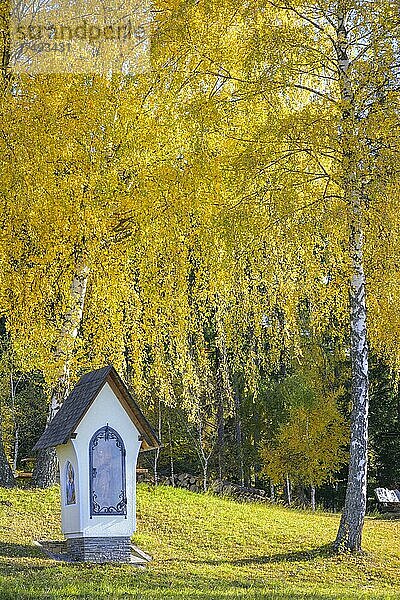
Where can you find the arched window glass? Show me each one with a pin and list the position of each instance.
(70, 493)
(107, 473)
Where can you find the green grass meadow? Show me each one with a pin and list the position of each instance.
(204, 548)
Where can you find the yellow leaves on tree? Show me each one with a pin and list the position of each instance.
(308, 446)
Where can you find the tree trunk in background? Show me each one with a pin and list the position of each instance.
(335, 497)
(221, 436)
(7, 479)
(398, 405)
(312, 498)
(16, 449)
(238, 434)
(272, 491)
(205, 475)
(155, 465)
(157, 451)
(288, 492)
(352, 521)
(6, 475)
(45, 471)
(224, 391)
(299, 493)
(13, 391)
(171, 455)
(200, 444)
(256, 442)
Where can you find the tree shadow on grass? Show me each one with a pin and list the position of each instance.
(311, 554)
(19, 550)
(10, 565)
(298, 556)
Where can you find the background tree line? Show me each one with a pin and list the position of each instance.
(285, 430)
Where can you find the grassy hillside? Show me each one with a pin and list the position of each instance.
(204, 548)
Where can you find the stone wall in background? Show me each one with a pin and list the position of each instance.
(194, 483)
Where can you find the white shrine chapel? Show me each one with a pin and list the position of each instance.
(98, 433)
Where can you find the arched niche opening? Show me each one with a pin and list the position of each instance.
(107, 479)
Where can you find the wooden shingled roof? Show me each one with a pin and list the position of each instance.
(67, 419)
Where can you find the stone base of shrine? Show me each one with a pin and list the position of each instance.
(95, 550)
(100, 549)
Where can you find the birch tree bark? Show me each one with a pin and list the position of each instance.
(288, 491)
(45, 472)
(171, 455)
(220, 435)
(238, 433)
(157, 451)
(312, 497)
(352, 521)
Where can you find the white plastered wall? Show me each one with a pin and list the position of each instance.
(76, 521)
(70, 514)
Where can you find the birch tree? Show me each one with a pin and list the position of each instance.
(312, 99)
(308, 445)
(66, 228)
(45, 470)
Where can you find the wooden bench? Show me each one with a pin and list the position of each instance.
(388, 500)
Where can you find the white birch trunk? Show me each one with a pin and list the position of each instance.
(205, 475)
(288, 492)
(69, 331)
(13, 391)
(171, 455)
(16, 450)
(238, 434)
(352, 521)
(313, 506)
(351, 525)
(45, 471)
(157, 452)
